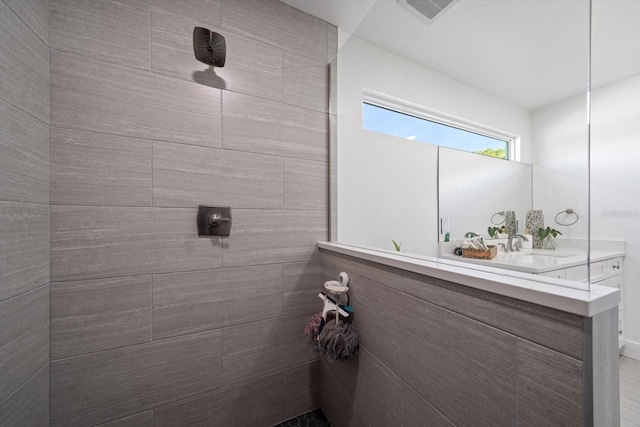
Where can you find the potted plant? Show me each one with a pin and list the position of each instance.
(397, 245)
(547, 236)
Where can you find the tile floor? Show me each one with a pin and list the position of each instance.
(311, 419)
(629, 392)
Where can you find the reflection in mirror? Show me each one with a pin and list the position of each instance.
(519, 67)
(474, 189)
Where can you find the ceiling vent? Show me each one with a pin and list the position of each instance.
(426, 10)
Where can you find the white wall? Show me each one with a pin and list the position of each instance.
(561, 163)
(387, 186)
(615, 187)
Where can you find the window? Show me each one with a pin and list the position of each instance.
(434, 130)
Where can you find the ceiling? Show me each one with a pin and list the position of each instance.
(529, 52)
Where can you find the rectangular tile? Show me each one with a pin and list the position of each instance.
(92, 95)
(549, 387)
(306, 184)
(189, 176)
(24, 67)
(417, 411)
(336, 403)
(373, 387)
(332, 42)
(29, 405)
(199, 10)
(306, 82)
(277, 24)
(100, 242)
(110, 30)
(112, 384)
(301, 389)
(201, 300)
(24, 338)
(24, 247)
(458, 360)
(270, 127)
(34, 13)
(552, 328)
(98, 315)
(143, 419)
(259, 348)
(90, 168)
(24, 156)
(335, 263)
(301, 283)
(252, 67)
(270, 236)
(250, 403)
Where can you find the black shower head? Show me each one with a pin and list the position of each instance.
(209, 47)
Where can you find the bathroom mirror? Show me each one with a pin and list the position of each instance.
(520, 68)
(475, 192)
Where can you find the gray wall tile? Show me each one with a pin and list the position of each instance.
(92, 95)
(24, 67)
(109, 30)
(251, 403)
(251, 67)
(97, 315)
(306, 184)
(332, 42)
(259, 348)
(335, 263)
(90, 168)
(199, 10)
(201, 300)
(35, 13)
(109, 385)
(337, 405)
(24, 156)
(29, 405)
(416, 411)
(143, 419)
(301, 283)
(270, 236)
(552, 328)
(306, 82)
(99, 242)
(24, 338)
(190, 175)
(302, 389)
(269, 127)
(277, 24)
(549, 387)
(445, 357)
(372, 386)
(24, 247)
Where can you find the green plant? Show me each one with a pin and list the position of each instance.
(397, 245)
(543, 233)
(493, 231)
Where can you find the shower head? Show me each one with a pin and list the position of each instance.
(209, 47)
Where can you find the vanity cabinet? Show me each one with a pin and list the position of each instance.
(604, 273)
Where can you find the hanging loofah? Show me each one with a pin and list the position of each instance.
(313, 328)
(338, 340)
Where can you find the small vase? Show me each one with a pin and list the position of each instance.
(549, 243)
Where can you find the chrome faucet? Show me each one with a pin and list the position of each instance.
(510, 242)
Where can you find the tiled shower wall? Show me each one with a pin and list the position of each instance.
(436, 353)
(151, 325)
(24, 212)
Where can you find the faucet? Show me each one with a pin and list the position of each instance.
(510, 242)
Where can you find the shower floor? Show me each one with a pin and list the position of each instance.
(311, 419)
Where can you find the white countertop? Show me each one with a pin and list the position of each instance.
(564, 295)
(538, 261)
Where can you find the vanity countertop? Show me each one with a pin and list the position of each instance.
(537, 261)
(564, 295)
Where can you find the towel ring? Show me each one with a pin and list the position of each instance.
(496, 214)
(568, 212)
